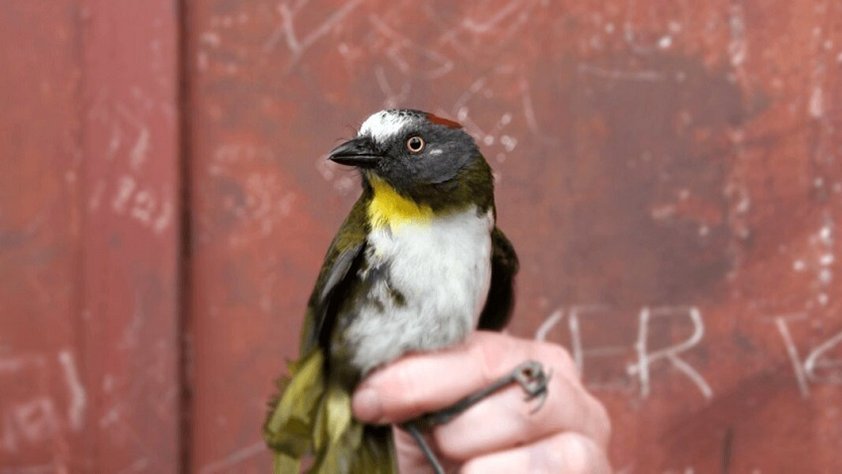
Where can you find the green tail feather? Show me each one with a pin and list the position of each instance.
(314, 417)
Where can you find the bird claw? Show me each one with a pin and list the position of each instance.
(529, 375)
(533, 380)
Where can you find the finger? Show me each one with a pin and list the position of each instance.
(410, 458)
(567, 453)
(505, 420)
(421, 383)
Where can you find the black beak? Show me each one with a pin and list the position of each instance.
(359, 152)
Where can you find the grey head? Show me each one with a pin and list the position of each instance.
(427, 158)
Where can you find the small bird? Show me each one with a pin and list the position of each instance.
(417, 265)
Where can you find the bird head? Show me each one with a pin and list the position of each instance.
(425, 158)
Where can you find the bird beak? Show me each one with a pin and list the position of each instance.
(359, 152)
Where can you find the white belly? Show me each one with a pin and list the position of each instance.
(441, 269)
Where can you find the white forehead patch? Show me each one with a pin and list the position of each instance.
(384, 124)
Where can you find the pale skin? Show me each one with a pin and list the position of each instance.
(501, 434)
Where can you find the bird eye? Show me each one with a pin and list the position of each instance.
(415, 144)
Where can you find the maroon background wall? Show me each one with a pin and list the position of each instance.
(89, 233)
(669, 172)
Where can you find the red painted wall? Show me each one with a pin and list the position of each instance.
(89, 231)
(669, 173)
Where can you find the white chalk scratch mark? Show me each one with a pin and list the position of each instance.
(165, 217)
(234, 458)
(287, 30)
(210, 38)
(576, 340)
(620, 74)
(629, 36)
(445, 64)
(112, 416)
(816, 103)
(814, 358)
(576, 345)
(825, 239)
(78, 400)
(138, 202)
(114, 141)
(392, 98)
(508, 142)
(485, 26)
(144, 204)
(670, 353)
(34, 469)
(792, 352)
(737, 46)
(137, 155)
(139, 465)
(37, 419)
(665, 42)
(548, 324)
(695, 376)
(459, 107)
(398, 61)
(130, 335)
(125, 187)
(96, 195)
(202, 61)
(528, 107)
(17, 363)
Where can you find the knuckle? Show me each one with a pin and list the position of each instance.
(449, 446)
(576, 454)
(402, 389)
(469, 468)
(602, 422)
(473, 467)
(558, 358)
(562, 390)
(492, 358)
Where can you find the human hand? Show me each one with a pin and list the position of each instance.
(568, 434)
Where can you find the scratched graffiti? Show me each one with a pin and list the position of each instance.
(671, 163)
(649, 352)
(819, 365)
(131, 195)
(257, 206)
(643, 353)
(30, 413)
(668, 171)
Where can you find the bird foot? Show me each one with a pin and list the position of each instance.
(530, 376)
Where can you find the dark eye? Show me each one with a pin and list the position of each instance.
(415, 144)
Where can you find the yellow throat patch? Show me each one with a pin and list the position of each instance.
(388, 208)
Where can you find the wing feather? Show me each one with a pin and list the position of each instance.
(501, 294)
(342, 258)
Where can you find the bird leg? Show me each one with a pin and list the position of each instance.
(530, 376)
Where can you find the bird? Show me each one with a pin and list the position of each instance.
(418, 264)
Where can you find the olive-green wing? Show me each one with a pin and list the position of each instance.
(501, 293)
(313, 414)
(342, 258)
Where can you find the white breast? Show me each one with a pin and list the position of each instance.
(441, 268)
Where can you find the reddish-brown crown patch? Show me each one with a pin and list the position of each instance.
(443, 121)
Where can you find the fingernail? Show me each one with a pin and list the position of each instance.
(366, 405)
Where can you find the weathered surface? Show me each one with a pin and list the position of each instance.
(668, 171)
(88, 237)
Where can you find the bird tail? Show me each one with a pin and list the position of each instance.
(313, 416)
